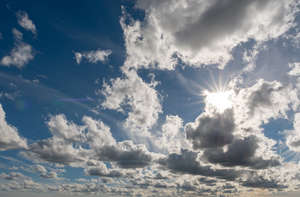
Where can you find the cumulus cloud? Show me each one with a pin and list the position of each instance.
(92, 56)
(293, 136)
(211, 131)
(60, 127)
(12, 176)
(10, 138)
(126, 155)
(20, 55)
(187, 163)
(25, 22)
(263, 100)
(241, 152)
(202, 32)
(102, 171)
(172, 138)
(55, 150)
(142, 98)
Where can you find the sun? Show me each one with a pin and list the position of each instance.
(218, 101)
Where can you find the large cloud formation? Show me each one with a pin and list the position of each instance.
(202, 32)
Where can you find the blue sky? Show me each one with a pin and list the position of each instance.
(150, 98)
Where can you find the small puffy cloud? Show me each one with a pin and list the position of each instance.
(40, 169)
(295, 69)
(17, 34)
(10, 138)
(12, 176)
(44, 173)
(92, 56)
(49, 175)
(25, 22)
(20, 55)
(102, 171)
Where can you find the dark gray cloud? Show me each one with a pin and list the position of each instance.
(186, 163)
(221, 19)
(133, 157)
(55, 151)
(240, 153)
(103, 172)
(211, 131)
(261, 182)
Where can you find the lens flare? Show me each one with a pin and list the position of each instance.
(219, 100)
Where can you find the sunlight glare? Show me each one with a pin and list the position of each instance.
(220, 100)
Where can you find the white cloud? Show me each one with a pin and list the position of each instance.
(263, 100)
(293, 136)
(202, 32)
(10, 138)
(295, 69)
(172, 138)
(142, 98)
(92, 56)
(25, 22)
(20, 55)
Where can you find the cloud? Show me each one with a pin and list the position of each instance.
(211, 131)
(126, 155)
(241, 152)
(262, 182)
(60, 127)
(293, 136)
(25, 22)
(55, 150)
(187, 163)
(92, 56)
(102, 171)
(201, 32)
(20, 55)
(49, 175)
(171, 138)
(295, 71)
(140, 96)
(10, 138)
(41, 169)
(263, 100)
(12, 176)
(44, 173)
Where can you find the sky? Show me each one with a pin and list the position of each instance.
(150, 98)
